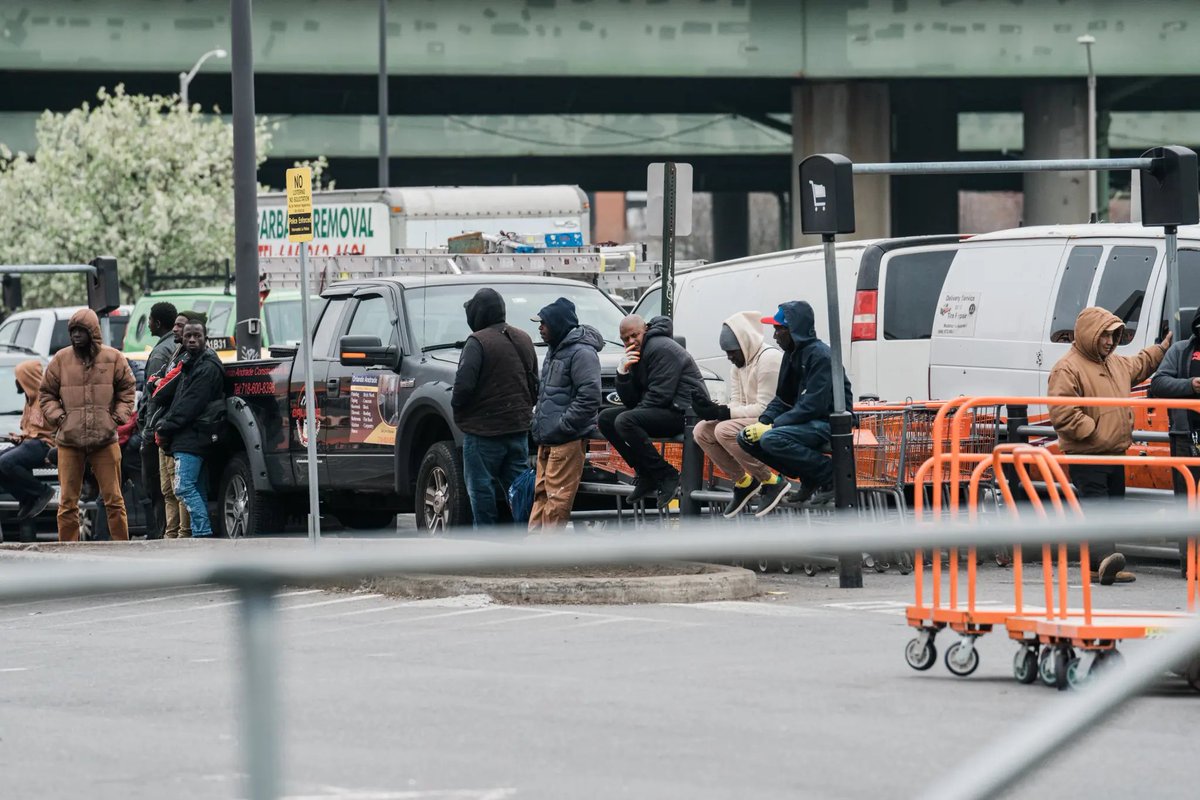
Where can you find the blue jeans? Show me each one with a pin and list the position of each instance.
(488, 461)
(795, 451)
(16, 469)
(189, 488)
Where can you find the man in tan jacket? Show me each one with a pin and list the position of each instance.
(1093, 369)
(88, 390)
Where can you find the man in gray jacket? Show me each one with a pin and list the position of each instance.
(567, 407)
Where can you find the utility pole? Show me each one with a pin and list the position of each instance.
(248, 332)
(384, 178)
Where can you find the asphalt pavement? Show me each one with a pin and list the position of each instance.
(802, 692)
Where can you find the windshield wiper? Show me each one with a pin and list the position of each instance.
(444, 346)
(18, 348)
(11, 413)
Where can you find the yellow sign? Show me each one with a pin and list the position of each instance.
(299, 205)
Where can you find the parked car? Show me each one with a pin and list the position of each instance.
(44, 330)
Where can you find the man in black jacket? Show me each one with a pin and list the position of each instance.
(656, 381)
(182, 430)
(568, 403)
(165, 323)
(494, 392)
(160, 389)
(792, 434)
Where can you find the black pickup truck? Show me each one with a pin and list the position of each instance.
(386, 440)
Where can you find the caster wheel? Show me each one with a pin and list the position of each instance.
(787, 567)
(1192, 674)
(737, 562)
(763, 566)
(904, 563)
(1025, 665)
(1075, 678)
(957, 668)
(882, 566)
(1062, 659)
(1046, 666)
(920, 658)
(811, 569)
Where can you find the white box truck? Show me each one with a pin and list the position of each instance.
(377, 222)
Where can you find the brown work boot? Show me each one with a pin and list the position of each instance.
(1111, 571)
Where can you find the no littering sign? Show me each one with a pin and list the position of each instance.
(299, 205)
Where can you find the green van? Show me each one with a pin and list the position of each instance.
(280, 315)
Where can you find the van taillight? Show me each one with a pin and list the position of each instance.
(866, 307)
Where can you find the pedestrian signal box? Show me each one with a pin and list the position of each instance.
(103, 290)
(826, 194)
(1170, 193)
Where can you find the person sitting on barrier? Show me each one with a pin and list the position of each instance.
(31, 446)
(752, 384)
(657, 380)
(567, 408)
(1092, 368)
(792, 434)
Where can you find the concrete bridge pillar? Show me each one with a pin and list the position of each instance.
(1055, 127)
(854, 119)
(730, 225)
(925, 128)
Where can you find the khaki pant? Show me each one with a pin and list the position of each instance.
(559, 468)
(106, 466)
(719, 441)
(179, 522)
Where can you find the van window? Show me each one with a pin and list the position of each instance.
(1189, 293)
(27, 336)
(650, 305)
(1073, 292)
(8, 331)
(60, 337)
(911, 293)
(1123, 285)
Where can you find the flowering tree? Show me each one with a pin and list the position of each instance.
(137, 177)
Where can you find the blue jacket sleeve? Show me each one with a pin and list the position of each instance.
(817, 397)
(580, 415)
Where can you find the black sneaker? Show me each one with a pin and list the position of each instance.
(668, 487)
(772, 494)
(642, 488)
(821, 497)
(38, 505)
(741, 496)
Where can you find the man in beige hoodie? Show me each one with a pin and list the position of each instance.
(1092, 368)
(752, 383)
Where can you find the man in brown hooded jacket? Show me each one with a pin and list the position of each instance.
(1093, 369)
(88, 390)
(30, 448)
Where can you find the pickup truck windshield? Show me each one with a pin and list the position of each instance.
(438, 318)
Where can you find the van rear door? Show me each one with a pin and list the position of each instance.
(990, 318)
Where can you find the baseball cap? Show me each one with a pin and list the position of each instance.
(778, 319)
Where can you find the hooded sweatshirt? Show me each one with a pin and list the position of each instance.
(1083, 372)
(752, 387)
(496, 384)
(569, 398)
(1174, 377)
(33, 423)
(666, 375)
(87, 397)
(805, 389)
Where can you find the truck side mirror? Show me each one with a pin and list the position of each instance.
(367, 351)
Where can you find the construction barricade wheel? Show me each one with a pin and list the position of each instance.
(962, 658)
(920, 656)
(1025, 665)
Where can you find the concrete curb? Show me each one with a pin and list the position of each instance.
(712, 582)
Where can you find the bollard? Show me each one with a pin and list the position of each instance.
(845, 490)
(691, 476)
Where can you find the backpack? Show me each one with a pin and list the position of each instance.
(520, 495)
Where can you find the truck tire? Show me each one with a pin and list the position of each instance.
(441, 497)
(366, 519)
(242, 510)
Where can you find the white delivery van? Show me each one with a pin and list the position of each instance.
(378, 222)
(1007, 308)
(888, 290)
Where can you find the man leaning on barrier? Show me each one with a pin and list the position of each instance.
(792, 434)
(1092, 368)
(752, 382)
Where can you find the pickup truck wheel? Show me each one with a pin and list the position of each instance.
(441, 498)
(244, 511)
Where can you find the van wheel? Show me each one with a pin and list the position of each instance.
(366, 519)
(243, 510)
(441, 497)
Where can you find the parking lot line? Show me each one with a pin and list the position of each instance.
(35, 616)
(352, 599)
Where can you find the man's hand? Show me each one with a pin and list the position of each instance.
(755, 432)
(17, 438)
(1165, 344)
(631, 357)
(1195, 385)
(158, 440)
(708, 410)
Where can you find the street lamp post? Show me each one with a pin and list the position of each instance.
(1087, 40)
(186, 77)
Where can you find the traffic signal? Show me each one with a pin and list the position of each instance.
(103, 290)
(12, 292)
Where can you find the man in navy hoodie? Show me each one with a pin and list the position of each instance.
(567, 407)
(792, 435)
